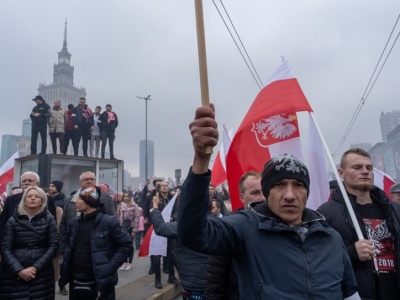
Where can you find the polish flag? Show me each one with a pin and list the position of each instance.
(218, 174)
(154, 244)
(7, 172)
(269, 128)
(383, 181)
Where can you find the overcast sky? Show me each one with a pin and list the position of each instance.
(123, 49)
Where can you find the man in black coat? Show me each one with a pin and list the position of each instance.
(375, 259)
(83, 123)
(39, 116)
(97, 245)
(108, 122)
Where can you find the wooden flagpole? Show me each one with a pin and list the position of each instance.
(201, 46)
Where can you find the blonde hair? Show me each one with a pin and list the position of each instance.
(21, 206)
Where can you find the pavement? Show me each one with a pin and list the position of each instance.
(136, 284)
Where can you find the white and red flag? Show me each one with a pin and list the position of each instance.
(154, 244)
(269, 128)
(383, 181)
(7, 172)
(218, 174)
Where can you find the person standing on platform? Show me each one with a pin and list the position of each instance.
(83, 123)
(95, 137)
(58, 119)
(108, 122)
(40, 115)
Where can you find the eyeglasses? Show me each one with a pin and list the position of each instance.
(89, 179)
(28, 180)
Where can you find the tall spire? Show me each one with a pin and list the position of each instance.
(65, 35)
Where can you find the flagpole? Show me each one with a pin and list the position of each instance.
(338, 179)
(201, 46)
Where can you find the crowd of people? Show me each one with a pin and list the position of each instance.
(273, 248)
(76, 124)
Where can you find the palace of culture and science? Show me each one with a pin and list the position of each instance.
(62, 89)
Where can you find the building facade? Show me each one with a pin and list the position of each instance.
(389, 121)
(8, 146)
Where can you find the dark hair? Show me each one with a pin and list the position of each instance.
(109, 105)
(82, 98)
(99, 107)
(70, 106)
(217, 204)
(357, 151)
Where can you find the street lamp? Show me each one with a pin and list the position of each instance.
(146, 156)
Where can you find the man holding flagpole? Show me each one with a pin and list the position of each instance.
(281, 250)
(375, 260)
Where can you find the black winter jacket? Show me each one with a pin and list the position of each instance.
(27, 243)
(337, 215)
(273, 260)
(191, 265)
(45, 112)
(104, 125)
(111, 245)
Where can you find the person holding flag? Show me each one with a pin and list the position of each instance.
(375, 260)
(281, 249)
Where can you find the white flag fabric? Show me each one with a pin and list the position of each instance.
(158, 244)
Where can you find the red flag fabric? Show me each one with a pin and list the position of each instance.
(218, 174)
(269, 128)
(383, 181)
(7, 172)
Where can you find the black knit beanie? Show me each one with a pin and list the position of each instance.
(58, 184)
(284, 166)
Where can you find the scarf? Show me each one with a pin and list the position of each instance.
(111, 117)
(86, 112)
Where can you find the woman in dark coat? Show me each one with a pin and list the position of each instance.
(29, 243)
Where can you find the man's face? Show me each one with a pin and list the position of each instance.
(214, 209)
(287, 199)
(28, 180)
(357, 173)
(108, 108)
(82, 102)
(252, 191)
(81, 205)
(211, 190)
(57, 103)
(396, 197)
(97, 110)
(38, 101)
(164, 187)
(52, 189)
(88, 180)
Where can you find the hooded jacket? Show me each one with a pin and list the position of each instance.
(337, 216)
(273, 260)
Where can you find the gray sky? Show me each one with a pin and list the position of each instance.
(123, 49)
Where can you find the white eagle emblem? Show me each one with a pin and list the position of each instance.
(278, 127)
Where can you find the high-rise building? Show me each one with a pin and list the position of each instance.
(150, 159)
(8, 146)
(62, 87)
(388, 122)
(26, 127)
